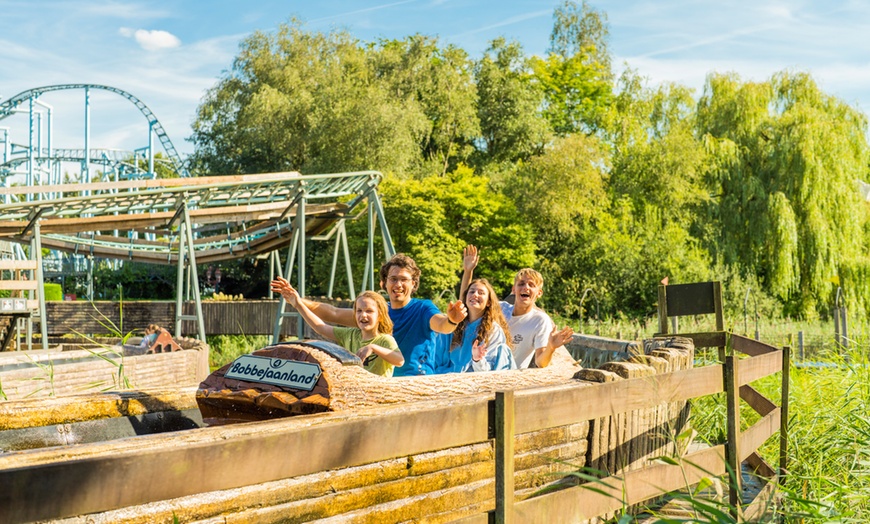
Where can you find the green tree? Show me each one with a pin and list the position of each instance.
(433, 219)
(656, 158)
(511, 124)
(575, 91)
(441, 81)
(298, 100)
(581, 30)
(787, 160)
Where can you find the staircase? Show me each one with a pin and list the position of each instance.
(19, 287)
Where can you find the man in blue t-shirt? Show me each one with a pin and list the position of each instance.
(416, 321)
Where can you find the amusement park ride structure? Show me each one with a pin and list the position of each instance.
(124, 212)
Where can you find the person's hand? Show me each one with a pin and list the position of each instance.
(559, 337)
(469, 258)
(281, 286)
(364, 352)
(456, 312)
(478, 350)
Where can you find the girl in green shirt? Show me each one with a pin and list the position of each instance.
(371, 340)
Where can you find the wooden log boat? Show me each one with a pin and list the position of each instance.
(342, 384)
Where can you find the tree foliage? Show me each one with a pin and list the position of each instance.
(511, 125)
(607, 186)
(787, 160)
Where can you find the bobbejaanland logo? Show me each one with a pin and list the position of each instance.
(290, 374)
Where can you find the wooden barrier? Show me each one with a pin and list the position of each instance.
(474, 458)
(56, 373)
(221, 317)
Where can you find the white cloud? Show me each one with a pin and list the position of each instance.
(153, 40)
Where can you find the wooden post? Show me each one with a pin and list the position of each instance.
(732, 453)
(663, 310)
(783, 423)
(504, 457)
(717, 306)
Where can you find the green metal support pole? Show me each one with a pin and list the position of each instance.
(300, 270)
(280, 314)
(389, 249)
(36, 254)
(193, 281)
(187, 264)
(370, 246)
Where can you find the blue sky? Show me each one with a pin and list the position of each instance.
(168, 53)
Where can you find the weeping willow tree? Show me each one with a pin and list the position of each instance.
(786, 161)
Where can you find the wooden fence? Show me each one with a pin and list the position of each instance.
(244, 456)
(520, 411)
(221, 317)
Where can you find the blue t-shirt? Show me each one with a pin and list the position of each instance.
(415, 337)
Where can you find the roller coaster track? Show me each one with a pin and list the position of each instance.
(106, 157)
(8, 106)
(234, 216)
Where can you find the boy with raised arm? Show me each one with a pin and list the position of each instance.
(533, 333)
(415, 321)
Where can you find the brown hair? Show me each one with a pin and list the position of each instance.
(491, 315)
(385, 325)
(402, 261)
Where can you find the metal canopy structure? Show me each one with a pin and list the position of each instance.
(186, 221)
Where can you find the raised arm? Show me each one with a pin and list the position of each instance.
(469, 262)
(446, 322)
(292, 297)
(326, 312)
(558, 337)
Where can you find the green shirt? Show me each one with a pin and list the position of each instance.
(351, 339)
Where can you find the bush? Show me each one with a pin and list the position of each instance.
(53, 292)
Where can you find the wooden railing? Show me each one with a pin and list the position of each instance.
(518, 412)
(247, 317)
(82, 482)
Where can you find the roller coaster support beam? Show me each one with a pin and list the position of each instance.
(297, 247)
(187, 265)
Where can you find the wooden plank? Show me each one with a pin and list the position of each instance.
(569, 405)
(783, 429)
(480, 518)
(611, 494)
(709, 339)
(663, 309)
(754, 368)
(762, 507)
(152, 473)
(750, 346)
(759, 466)
(761, 404)
(14, 265)
(732, 446)
(752, 438)
(504, 457)
(717, 305)
(19, 285)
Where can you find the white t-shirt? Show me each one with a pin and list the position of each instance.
(528, 333)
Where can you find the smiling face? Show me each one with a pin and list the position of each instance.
(366, 312)
(476, 300)
(526, 291)
(400, 285)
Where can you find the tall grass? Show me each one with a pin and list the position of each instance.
(828, 476)
(226, 348)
